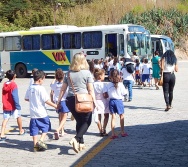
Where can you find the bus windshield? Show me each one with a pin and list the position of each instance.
(138, 42)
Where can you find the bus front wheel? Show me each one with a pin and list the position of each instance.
(21, 71)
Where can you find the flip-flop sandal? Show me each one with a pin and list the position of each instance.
(114, 137)
(124, 135)
(56, 136)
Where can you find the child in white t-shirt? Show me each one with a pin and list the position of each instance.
(63, 111)
(37, 97)
(116, 91)
(145, 72)
(102, 103)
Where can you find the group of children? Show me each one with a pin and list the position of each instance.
(143, 73)
(108, 95)
(109, 100)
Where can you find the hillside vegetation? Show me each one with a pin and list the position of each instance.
(168, 17)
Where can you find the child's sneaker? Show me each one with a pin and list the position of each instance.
(37, 148)
(41, 144)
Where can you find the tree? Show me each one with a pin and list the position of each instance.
(10, 7)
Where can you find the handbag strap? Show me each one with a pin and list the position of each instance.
(71, 83)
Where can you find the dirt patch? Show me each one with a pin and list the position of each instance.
(181, 54)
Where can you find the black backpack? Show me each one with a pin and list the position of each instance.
(130, 68)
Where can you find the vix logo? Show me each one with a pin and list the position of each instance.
(59, 56)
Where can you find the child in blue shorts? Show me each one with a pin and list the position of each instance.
(11, 106)
(37, 97)
(116, 91)
(63, 111)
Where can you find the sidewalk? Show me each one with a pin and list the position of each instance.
(156, 138)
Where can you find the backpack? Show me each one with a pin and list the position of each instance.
(130, 68)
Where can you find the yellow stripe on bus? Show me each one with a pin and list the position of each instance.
(36, 32)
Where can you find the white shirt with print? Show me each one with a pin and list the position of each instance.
(127, 75)
(37, 96)
(56, 87)
(114, 93)
(146, 68)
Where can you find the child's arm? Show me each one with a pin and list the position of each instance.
(51, 95)
(16, 98)
(91, 92)
(62, 92)
(27, 95)
(51, 104)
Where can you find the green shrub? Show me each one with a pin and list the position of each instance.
(172, 22)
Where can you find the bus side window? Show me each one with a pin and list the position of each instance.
(13, 43)
(71, 40)
(92, 39)
(51, 41)
(31, 42)
(1, 44)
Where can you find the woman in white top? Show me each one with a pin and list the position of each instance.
(168, 66)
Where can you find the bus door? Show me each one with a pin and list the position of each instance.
(111, 44)
(121, 44)
(157, 46)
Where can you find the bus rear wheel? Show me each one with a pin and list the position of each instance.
(21, 71)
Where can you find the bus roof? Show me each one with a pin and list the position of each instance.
(70, 28)
(52, 27)
(159, 36)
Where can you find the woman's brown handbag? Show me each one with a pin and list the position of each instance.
(160, 82)
(83, 102)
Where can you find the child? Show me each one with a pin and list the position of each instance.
(116, 91)
(63, 111)
(37, 97)
(31, 79)
(145, 72)
(102, 103)
(11, 106)
(137, 72)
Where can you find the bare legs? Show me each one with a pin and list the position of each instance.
(156, 83)
(4, 123)
(121, 116)
(19, 122)
(62, 120)
(102, 129)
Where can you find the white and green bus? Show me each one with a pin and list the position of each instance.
(52, 47)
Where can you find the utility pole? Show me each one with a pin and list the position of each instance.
(56, 7)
